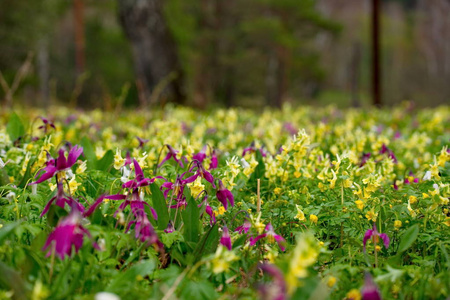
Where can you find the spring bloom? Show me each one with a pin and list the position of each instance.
(172, 154)
(370, 290)
(214, 161)
(225, 240)
(224, 195)
(61, 199)
(389, 152)
(245, 227)
(373, 233)
(60, 164)
(47, 125)
(271, 236)
(277, 289)
(68, 233)
(200, 156)
(201, 172)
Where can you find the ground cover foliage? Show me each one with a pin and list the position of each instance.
(164, 204)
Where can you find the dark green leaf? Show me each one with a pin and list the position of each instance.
(408, 238)
(208, 242)
(123, 281)
(106, 161)
(160, 206)
(89, 153)
(191, 221)
(15, 128)
(6, 230)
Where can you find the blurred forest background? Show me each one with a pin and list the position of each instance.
(104, 53)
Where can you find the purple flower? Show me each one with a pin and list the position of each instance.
(277, 290)
(172, 154)
(208, 210)
(364, 159)
(47, 125)
(214, 161)
(141, 142)
(139, 180)
(370, 290)
(201, 171)
(200, 157)
(224, 195)
(169, 228)
(253, 149)
(245, 227)
(60, 164)
(271, 235)
(373, 233)
(61, 199)
(225, 240)
(68, 233)
(390, 153)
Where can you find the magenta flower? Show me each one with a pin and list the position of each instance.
(370, 290)
(225, 240)
(141, 142)
(275, 291)
(373, 233)
(60, 164)
(214, 162)
(271, 236)
(364, 159)
(61, 199)
(208, 210)
(200, 157)
(244, 227)
(389, 152)
(47, 125)
(201, 171)
(169, 228)
(68, 234)
(224, 195)
(139, 180)
(172, 154)
(253, 149)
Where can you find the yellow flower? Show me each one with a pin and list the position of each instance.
(371, 215)
(397, 223)
(277, 191)
(196, 187)
(81, 168)
(331, 281)
(321, 186)
(297, 174)
(412, 199)
(118, 160)
(359, 204)
(300, 215)
(222, 260)
(447, 221)
(353, 294)
(304, 255)
(313, 219)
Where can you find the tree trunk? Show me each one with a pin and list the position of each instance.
(155, 57)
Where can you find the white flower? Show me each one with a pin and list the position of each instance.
(106, 296)
(427, 176)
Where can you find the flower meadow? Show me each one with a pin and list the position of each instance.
(301, 203)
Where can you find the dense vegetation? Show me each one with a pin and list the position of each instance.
(165, 204)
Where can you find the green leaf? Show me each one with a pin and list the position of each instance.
(191, 221)
(408, 238)
(198, 290)
(27, 174)
(6, 230)
(89, 153)
(15, 128)
(208, 242)
(11, 280)
(106, 161)
(260, 169)
(160, 206)
(123, 281)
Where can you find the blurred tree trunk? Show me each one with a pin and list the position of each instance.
(44, 71)
(155, 57)
(78, 10)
